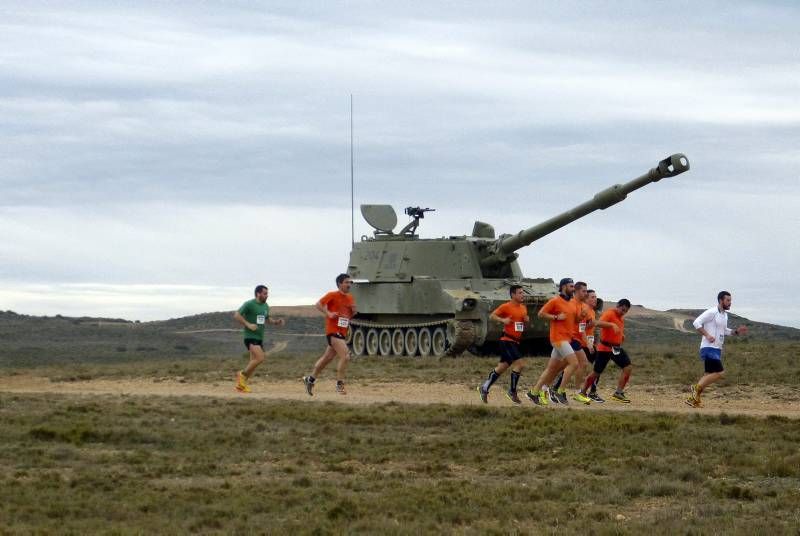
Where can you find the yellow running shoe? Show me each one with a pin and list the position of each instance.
(543, 398)
(696, 392)
(580, 397)
(241, 383)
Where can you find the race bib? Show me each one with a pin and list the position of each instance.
(582, 327)
(721, 338)
(519, 327)
(591, 339)
(343, 322)
(260, 319)
(616, 350)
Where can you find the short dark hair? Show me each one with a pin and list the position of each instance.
(722, 294)
(513, 288)
(341, 277)
(590, 291)
(624, 302)
(580, 284)
(259, 288)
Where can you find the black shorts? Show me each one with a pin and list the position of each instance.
(576, 345)
(602, 358)
(713, 365)
(248, 342)
(509, 352)
(589, 355)
(335, 336)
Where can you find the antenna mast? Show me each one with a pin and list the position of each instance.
(352, 183)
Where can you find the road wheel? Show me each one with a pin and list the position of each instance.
(385, 342)
(438, 342)
(411, 342)
(358, 342)
(424, 342)
(398, 342)
(372, 342)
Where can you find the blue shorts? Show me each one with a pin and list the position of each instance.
(712, 359)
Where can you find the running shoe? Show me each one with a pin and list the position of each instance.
(597, 398)
(582, 398)
(562, 397)
(241, 383)
(620, 397)
(553, 397)
(693, 402)
(483, 394)
(309, 385)
(340, 387)
(512, 396)
(696, 392)
(535, 398)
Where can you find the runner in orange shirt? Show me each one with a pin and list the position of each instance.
(591, 327)
(338, 307)
(584, 315)
(610, 349)
(561, 314)
(514, 316)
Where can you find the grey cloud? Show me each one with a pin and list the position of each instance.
(508, 113)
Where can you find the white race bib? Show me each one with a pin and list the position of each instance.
(721, 339)
(260, 319)
(582, 327)
(343, 322)
(591, 339)
(519, 327)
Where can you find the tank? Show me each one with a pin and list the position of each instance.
(422, 296)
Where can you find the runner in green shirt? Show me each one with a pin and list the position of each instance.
(253, 315)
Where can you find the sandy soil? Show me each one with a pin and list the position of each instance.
(779, 401)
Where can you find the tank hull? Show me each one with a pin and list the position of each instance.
(455, 319)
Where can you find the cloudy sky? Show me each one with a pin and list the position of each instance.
(160, 159)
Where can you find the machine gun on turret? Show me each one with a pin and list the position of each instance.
(417, 214)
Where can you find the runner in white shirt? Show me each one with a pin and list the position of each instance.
(712, 324)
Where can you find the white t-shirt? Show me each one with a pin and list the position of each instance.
(716, 324)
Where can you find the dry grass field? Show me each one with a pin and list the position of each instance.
(158, 442)
(135, 465)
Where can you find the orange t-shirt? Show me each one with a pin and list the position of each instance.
(607, 334)
(577, 333)
(590, 325)
(342, 304)
(560, 330)
(517, 313)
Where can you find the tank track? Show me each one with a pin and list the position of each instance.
(464, 337)
(368, 324)
(457, 342)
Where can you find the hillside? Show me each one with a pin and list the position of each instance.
(29, 340)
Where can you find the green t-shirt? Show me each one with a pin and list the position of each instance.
(255, 313)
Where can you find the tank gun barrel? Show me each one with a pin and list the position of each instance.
(504, 248)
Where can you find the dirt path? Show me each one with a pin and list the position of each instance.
(277, 347)
(645, 398)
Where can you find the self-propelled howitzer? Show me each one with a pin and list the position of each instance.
(433, 296)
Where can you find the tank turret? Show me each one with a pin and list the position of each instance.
(421, 296)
